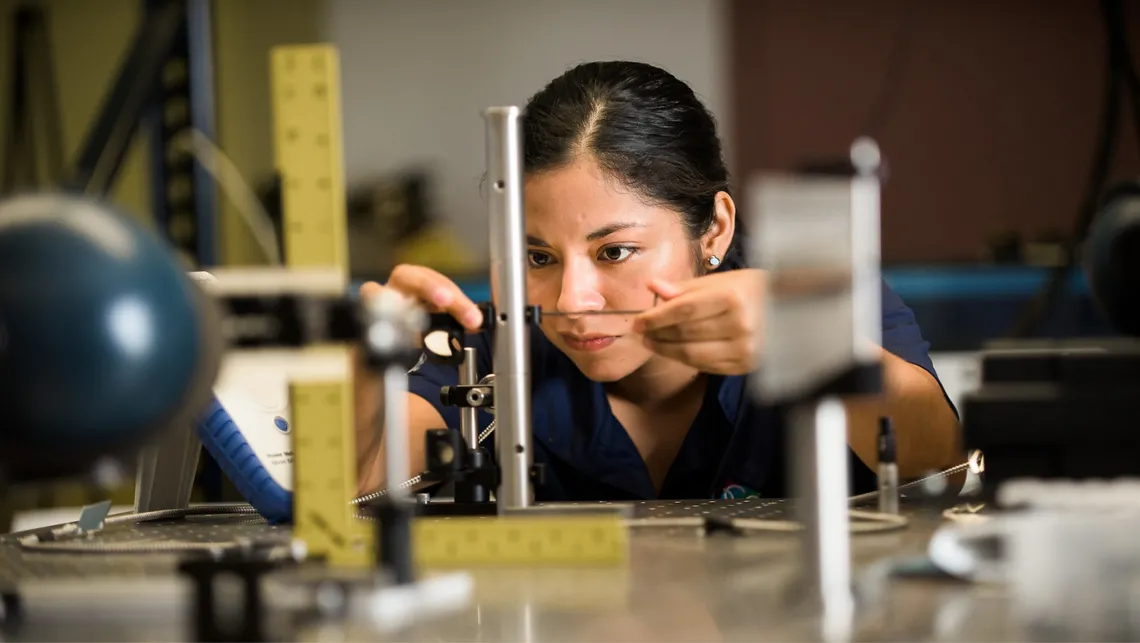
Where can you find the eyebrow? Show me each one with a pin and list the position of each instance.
(600, 233)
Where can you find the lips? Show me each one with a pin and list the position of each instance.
(588, 343)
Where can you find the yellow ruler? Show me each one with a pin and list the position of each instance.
(541, 540)
(309, 147)
(309, 151)
(323, 452)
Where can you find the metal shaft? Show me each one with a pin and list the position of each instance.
(819, 433)
(468, 418)
(396, 430)
(508, 274)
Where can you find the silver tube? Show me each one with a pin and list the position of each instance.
(468, 418)
(819, 433)
(508, 275)
(396, 430)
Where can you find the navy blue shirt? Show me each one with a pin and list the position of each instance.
(735, 447)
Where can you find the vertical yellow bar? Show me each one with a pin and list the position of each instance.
(309, 151)
(323, 441)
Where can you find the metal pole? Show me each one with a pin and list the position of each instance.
(396, 431)
(508, 274)
(468, 418)
(819, 433)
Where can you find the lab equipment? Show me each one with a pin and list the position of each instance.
(888, 468)
(93, 309)
(817, 235)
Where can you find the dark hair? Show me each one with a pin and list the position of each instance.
(643, 126)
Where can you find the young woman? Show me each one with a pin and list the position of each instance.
(629, 207)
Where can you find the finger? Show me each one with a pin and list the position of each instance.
(714, 357)
(696, 354)
(714, 328)
(433, 288)
(370, 289)
(690, 307)
(665, 289)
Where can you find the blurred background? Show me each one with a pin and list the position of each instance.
(987, 113)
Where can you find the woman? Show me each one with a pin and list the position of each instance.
(628, 208)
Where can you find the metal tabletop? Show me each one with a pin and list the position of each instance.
(678, 585)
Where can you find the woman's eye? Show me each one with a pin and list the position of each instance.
(538, 259)
(616, 254)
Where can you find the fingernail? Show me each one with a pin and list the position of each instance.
(441, 297)
(472, 319)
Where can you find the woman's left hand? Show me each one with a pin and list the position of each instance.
(712, 323)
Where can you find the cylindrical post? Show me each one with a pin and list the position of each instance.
(468, 415)
(819, 433)
(508, 275)
(396, 430)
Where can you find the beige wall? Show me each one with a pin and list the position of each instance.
(89, 38)
(245, 30)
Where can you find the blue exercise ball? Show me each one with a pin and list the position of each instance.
(1112, 259)
(105, 341)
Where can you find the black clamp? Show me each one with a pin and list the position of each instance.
(475, 396)
(444, 323)
(473, 471)
(208, 622)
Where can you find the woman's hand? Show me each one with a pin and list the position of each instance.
(712, 323)
(434, 291)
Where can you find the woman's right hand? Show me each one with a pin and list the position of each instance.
(434, 291)
(437, 294)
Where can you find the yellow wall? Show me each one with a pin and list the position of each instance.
(245, 30)
(89, 38)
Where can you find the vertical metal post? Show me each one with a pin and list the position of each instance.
(200, 63)
(396, 431)
(821, 344)
(468, 415)
(819, 436)
(508, 275)
(182, 192)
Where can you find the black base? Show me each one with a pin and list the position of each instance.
(1056, 413)
(207, 626)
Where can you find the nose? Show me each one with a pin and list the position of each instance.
(580, 289)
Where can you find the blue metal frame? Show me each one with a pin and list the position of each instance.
(196, 95)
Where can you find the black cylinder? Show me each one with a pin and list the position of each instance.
(395, 537)
(1112, 260)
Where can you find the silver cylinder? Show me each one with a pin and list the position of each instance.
(508, 275)
(819, 434)
(396, 430)
(468, 418)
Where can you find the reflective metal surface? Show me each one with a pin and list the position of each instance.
(678, 586)
(508, 274)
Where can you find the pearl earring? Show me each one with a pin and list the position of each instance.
(714, 261)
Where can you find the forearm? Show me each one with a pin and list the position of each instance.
(926, 430)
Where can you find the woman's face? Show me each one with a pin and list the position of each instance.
(593, 246)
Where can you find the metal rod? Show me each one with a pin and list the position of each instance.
(508, 274)
(468, 418)
(819, 433)
(395, 382)
(591, 312)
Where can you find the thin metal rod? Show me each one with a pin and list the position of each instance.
(508, 274)
(468, 418)
(591, 312)
(396, 430)
(819, 433)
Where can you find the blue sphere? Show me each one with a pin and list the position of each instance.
(104, 339)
